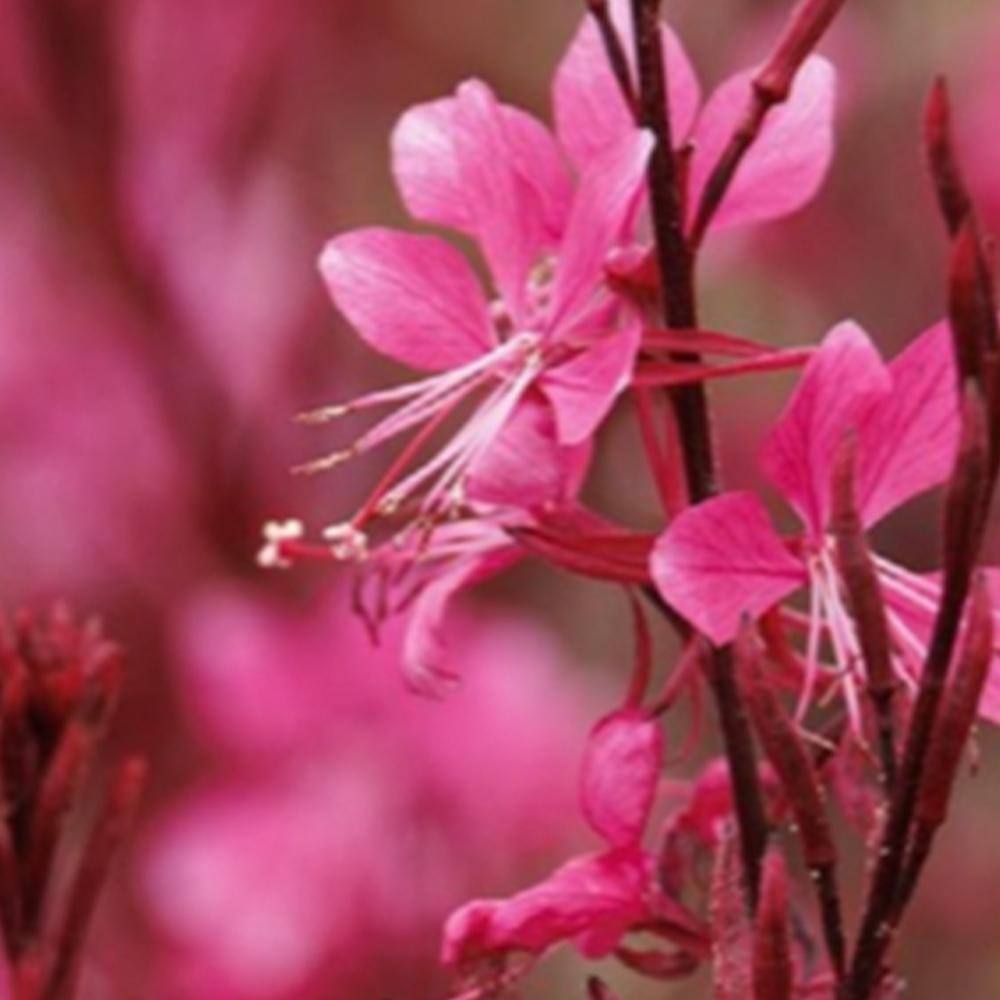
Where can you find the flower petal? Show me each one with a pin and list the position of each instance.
(621, 769)
(786, 165)
(598, 896)
(590, 112)
(603, 210)
(414, 298)
(502, 203)
(424, 658)
(583, 389)
(433, 175)
(839, 387)
(527, 466)
(907, 443)
(721, 560)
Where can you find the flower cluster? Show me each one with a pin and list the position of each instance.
(866, 691)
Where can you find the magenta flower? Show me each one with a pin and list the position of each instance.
(555, 333)
(722, 560)
(782, 171)
(595, 899)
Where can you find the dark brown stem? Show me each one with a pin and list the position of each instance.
(691, 410)
(617, 56)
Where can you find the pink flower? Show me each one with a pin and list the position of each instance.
(722, 560)
(781, 172)
(555, 334)
(593, 899)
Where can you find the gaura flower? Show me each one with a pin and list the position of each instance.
(722, 560)
(554, 333)
(595, 899)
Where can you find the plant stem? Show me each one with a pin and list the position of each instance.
(691, 410)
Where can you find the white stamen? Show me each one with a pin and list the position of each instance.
(347, 543)
(275, 532)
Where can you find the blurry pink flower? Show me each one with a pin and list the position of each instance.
(355, 816)
(594, 899)
(783, 169)
(722, 560)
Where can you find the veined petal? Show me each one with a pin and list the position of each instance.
(527, 466)
(590, 111)
(603, 210)
(722, 560)
(621, 769)
(432, 174)
(414, 298)
(914, 598)
(583, 389)
(907, 443)
(503, 207)
(786, 165)
(840, 385)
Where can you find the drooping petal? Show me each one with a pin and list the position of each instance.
(426, 666)
(722, 560)
(590, 111)
(907, 443)
(583, 389)
(414, 298)
(527, 466)
(621, 769)
(603, 210)
(434, 178)
(839, 387)
(786, 165)
(594, 898)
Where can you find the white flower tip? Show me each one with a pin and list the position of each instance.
(270, 556)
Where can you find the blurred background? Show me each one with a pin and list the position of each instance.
(169, 170)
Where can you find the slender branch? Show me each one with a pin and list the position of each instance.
(617, 56)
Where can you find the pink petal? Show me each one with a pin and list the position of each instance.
(426, 665)
(841, 383)
(434, 177)
(583, 389)
(621, 769)
(907, 444)
(597, 895)
(721, 560)
(917, 613)
(590, 111)
(603, 211)
(503, 204)
(527, 466)
(414, 298)
(786, 165)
